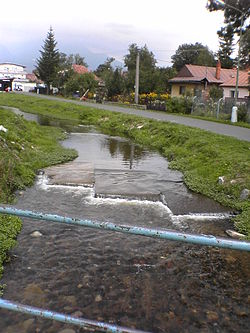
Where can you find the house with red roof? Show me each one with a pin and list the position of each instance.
(197, 80)
(80, 69)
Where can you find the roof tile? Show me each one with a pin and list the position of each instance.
(199, 73)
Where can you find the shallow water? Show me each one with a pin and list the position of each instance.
(133, 281)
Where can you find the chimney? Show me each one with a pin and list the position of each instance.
(218, 70)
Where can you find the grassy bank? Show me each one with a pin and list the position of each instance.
(201, 156)
(24, 148)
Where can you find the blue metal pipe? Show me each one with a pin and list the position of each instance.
(85, 323)
(207, 240)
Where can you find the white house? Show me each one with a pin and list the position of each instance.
(15, 77)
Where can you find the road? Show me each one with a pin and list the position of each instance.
(240, 133)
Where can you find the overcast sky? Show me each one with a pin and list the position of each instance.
(107, 27)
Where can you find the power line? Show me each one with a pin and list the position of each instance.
(163, 60)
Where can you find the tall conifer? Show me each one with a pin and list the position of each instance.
(47, 64)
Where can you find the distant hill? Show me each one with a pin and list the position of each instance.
(27, 54)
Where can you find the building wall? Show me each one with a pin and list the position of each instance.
(23, 86)
(243, 92)
(190, 87)
(175, 90)
(13, 71)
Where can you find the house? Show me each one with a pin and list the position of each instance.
(12, 76)
(5, 83)
(197, 80)
(15, 77)
(33, 83)
(80, 69)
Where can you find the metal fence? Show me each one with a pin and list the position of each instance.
(221, 109)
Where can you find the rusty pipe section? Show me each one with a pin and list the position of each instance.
(84, 323)
(206, 240)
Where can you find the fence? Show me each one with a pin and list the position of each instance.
(221, 109)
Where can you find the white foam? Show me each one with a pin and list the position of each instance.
(179, 220)
(88, 196)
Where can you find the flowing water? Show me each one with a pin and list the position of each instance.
(133, 281)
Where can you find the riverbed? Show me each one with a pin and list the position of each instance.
(148, 284)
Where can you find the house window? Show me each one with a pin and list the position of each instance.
(182, 90)
(197, 92)
(232, 94)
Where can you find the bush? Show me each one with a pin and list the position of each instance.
(242, 113)
(80, 83)
(215, 93)
(179, 105)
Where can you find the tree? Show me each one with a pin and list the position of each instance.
(147, 68)
(161, 77)
(194, 54)
(114, 80)
(226, 37)
(80, 82)
(215, 93)
(65, 69)
(48, 63)
(233, 11)
(236, 14)
(115, 83)
(105, 68)
(245, 47)
(77, 59)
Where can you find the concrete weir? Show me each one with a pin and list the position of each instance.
(71, 174)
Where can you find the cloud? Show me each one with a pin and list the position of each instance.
(104, 27)
(121, 29)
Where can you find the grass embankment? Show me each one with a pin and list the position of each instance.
(24, 148)
(201, 156)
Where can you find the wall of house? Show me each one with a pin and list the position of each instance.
(12, 71)
(190, 87)
(243, 92)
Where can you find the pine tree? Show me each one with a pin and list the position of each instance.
(245, 47)
(48, 63)
(226, 36)
(236, 15)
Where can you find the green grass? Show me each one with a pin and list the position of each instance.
(200, 155)
(10, 226)
(24, 148)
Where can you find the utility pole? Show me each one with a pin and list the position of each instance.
(234, 109)
(137, 78)
(238, 62)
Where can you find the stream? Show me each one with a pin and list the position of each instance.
(137, 282)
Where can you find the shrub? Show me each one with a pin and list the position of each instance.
(215, 93)
(179, 105)
(242, 113)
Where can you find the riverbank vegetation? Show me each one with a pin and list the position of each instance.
(25, 147)
(201, 156)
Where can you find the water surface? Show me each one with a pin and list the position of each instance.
(153, 285)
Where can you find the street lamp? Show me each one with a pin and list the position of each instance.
(234, 109)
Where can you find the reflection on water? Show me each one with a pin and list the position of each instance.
(144, 174)
(153, 285)
(131, 153)
(44, 120)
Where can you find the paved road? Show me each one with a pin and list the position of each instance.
(240, 133)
